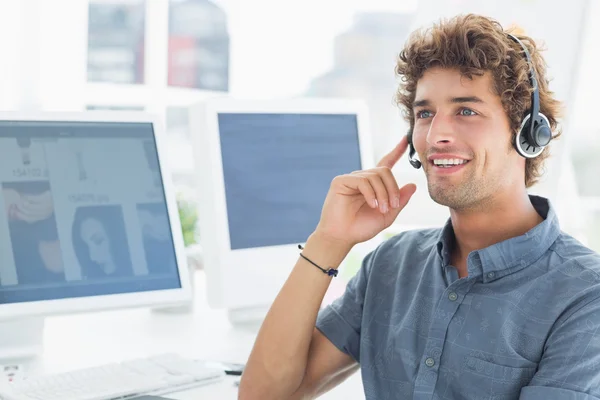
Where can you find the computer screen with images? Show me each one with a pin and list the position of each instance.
(82, 211)
(277, 170)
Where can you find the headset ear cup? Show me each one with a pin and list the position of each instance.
(543, 133)
(529, 147)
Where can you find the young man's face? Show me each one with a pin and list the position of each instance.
(463, 138)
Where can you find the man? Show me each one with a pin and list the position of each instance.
(497, 304)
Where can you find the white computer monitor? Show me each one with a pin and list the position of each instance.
(264, 169)
(88, 220)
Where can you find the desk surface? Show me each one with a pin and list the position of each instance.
(85, 340)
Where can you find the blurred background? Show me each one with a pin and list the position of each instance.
(164, 55)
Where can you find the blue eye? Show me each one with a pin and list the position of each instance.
(424, 114)
(467, 112)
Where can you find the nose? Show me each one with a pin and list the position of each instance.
(441, 130)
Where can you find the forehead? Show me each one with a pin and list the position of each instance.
(440, 82)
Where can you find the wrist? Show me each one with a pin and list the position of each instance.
(326, 251)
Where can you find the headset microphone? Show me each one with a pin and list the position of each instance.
(411, 152)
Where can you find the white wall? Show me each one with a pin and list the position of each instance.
(43, 46)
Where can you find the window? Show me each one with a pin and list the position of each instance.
(116, 41)
(198, 45)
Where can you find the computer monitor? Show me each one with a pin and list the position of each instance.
(264, 169)
(88, 220)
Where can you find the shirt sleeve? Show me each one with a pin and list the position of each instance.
(341, 321)
(570, 366)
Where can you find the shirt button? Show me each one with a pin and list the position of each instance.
(452, 296)
(430, 362)
(491, 275)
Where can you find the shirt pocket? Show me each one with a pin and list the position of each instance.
(491, 380)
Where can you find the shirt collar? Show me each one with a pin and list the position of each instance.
(510, 255)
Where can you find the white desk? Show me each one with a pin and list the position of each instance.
(91, 339)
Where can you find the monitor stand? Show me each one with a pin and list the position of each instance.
(21, 338)
(249, 317)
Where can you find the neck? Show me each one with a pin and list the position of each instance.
(500, 219)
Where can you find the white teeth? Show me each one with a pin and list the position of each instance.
(450, 161)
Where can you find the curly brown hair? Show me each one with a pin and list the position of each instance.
(474, 44)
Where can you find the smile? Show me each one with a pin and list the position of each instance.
(448, 166)
(447, 163)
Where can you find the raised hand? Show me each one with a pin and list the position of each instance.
(362, 204)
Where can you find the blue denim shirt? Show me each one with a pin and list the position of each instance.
(524, 324)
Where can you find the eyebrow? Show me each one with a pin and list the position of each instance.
(454, 100)
(468, 99)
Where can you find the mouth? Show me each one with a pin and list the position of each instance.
(447, 166)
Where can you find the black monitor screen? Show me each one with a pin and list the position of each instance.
(277, 170)
(83, 211)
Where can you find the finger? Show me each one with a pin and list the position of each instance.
(405, 194)
(391, 185)
(356, 183)
(390, 159)
(380, 190)
(366, 189)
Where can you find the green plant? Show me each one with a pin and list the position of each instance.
(188, 215)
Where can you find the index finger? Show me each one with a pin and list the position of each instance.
(390, 159)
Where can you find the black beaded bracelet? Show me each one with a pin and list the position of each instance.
(329, 271)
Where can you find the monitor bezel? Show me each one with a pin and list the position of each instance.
(263, 270)
(153, 298)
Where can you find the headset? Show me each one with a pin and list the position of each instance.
(535, 132)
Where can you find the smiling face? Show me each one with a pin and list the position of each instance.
(462, 135)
